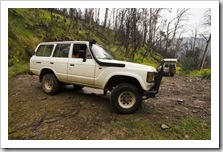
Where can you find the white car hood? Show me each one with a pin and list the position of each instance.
(131, 65)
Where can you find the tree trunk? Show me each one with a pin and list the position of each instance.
(106, 17)
(150, 25)
(145, 25)
(205, 53)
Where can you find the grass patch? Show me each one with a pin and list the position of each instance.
(18, 69)
(204, 73)
(195, 129)
(189, 128)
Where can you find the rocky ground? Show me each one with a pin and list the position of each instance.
(181, 110)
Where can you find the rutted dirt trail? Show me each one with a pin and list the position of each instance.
(87, 114)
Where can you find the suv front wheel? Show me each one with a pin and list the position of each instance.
(126, 98)
(50, 84)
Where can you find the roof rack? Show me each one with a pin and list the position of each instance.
(169, 60)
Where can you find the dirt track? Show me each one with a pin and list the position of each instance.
(87, 114)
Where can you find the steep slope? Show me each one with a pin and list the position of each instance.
(27, 27)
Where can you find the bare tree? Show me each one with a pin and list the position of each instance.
(205, 53)
(71, 16)
(207, 22)
(97, 15)
(207, 17)
(144, 13)
(106, 17)
(181, 16)
(168, 32)
(154, 14)
(90, 25)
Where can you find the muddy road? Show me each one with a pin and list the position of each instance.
(87, 114)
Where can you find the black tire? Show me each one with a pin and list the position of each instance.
(77, 87)
(126, 98)
(171, 74)
(50, 84)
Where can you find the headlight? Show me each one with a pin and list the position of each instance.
(150, 77)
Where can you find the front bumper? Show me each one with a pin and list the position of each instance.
(155, 89)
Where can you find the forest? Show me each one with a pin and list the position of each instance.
(182, 110)
(141, 35)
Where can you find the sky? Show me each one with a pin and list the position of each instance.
(195, 20)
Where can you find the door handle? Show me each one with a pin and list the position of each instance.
(38, 62)
(51, 62)
(71, 64)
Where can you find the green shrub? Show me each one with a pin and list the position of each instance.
(188, 64)
(18, 69)
(206, 73)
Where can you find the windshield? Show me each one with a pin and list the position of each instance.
(100, 52)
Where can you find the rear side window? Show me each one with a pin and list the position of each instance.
(166, 65)
(44, 50)
(172, 65)
(62, 50)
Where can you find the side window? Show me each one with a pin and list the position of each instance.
(173, 65)
(88, 54)
(62, 50)
(81, 50)
(166, 65)
(44, 50)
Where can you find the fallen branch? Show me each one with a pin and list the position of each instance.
(35, 125)
(39, 122)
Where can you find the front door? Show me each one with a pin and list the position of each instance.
(81, 71)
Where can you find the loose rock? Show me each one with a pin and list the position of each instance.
(180, 100)
(199, 102)
(44, 98)
(97, 119)
(194, 111)
(75, 112)
(81, 103)
(186, 136)
(163, 126)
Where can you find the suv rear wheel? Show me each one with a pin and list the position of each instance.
(171, 74)
(126, 98)
(50, 84)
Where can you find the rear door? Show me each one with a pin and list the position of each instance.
(166, 67)
(59, 60)
(41, 58)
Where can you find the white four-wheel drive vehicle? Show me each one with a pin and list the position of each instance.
(169, 66)
(83, 63)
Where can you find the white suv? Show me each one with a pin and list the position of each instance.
(83, 63)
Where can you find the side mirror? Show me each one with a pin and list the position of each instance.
(91, 42)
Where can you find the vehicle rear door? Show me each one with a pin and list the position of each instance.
(59, 60)
(41, 57)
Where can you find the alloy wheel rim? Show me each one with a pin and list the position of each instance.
(48, 84)
(126, 99)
